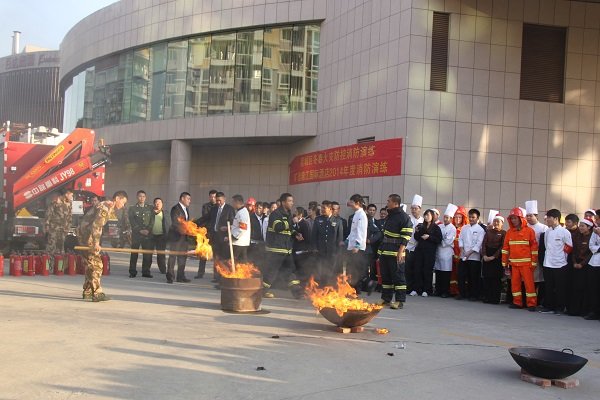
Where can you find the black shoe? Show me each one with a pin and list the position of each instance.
(532, 309)
(199, 277)
(184, 280)
(473, 299)
(514, 306)
(458, 297)
(132, 275)
(169, 280)
(444, 295)
(371, 286)
(147, 276)
(591, 316)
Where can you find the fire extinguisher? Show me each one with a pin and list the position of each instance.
(105, 263)
(59, 264)
(31, 260)
(80, 267)
(45, 268)
(11, 264)
(37, 264)
(1, 264)
(71, 264)
(18, 265)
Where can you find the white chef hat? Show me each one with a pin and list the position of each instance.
(450, 210)
(417, 200)
(588, 222)
(491, 216)
(403, 207)
(531, 207)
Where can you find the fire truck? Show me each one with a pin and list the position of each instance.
(36, 165)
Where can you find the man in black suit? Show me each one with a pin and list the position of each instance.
(177, 239)
(217, 228)
(203, 221)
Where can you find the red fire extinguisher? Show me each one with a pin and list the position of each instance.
(18, 265)
(37, 264)
(45, 268)
(80, 266)
(11, 264)
(105, 264)
(71, 264)
(1, 264)
(59, 264)
(31, 270)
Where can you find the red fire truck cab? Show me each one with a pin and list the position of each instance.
(35, 167)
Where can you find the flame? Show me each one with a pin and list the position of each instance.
(343, 299)
(382, 331)
(242, 271)
(203, 248)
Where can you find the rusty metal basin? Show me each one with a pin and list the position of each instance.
(241, 295)
(350, 319)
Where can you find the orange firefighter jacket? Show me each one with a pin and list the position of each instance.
(520, 247)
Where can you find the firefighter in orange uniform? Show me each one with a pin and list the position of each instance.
(460, 219)
(520, 251)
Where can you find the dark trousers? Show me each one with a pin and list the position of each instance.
(326, 264)
(240, 254)
(576, 304)
(492, 273)
(306, 266)
(145, 243)
(357, 267)
(423, 271)
(159, 242)
(279, 266)
(409, 263)
(556, 288)
(393, 279)
(201, 268)
(442, 282)
(179, 245)
(256, 255)
(469, 273)
(592, 289)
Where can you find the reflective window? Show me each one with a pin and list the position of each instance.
(156, 86)
(248, 71)
(176, 79)
(198, 77)
(274, 69)
(222, 67)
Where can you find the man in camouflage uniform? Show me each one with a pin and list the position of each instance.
(90, 234)
(59, 217)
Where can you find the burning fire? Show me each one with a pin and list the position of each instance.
(203, 248)
(343, 298)
(242, 271)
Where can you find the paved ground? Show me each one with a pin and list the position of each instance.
(155, 340)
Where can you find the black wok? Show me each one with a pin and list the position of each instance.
(351, 318)
(545, 363)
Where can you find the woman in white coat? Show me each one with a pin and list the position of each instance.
(444, 254)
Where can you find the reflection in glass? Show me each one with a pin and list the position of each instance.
(222, 65)
(156, 87)
(139, 86)
(248, 71)
(196, 102)
(176, 79)
(274, 69)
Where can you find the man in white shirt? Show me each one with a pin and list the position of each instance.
(469, 268)
(559, 244)
(240, 230)
(357, 262)
(531, 210)
(416, 219)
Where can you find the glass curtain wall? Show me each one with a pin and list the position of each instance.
(274, 69)
(196, 102)
(222, 67)
(248, 71)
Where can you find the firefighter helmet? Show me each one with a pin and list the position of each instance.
(517, 212)
(251, 201)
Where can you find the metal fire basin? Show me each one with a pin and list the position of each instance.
(545, 363)
(241, 295)
(350, 319)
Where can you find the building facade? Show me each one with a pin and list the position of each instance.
(496, 101)
(29, 89)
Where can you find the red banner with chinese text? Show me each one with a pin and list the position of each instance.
(380, 158)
